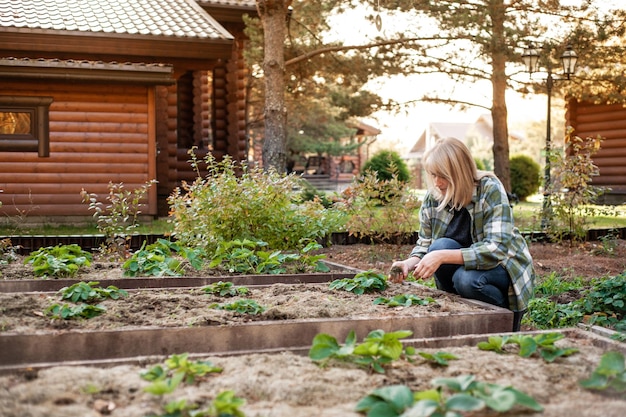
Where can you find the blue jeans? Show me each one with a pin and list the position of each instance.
(490, 286)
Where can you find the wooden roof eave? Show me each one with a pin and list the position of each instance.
(132, 47)
(46, 70)
(228, 13)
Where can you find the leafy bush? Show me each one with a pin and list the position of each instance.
(572, 194)
(157, 259)
(237, 202)
(385, 164)
(524, 176)
(380, 209)
(58, 261)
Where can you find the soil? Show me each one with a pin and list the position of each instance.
(287, 384)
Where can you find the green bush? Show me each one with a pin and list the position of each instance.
(524, 176)
(237, 202)
(386, 164)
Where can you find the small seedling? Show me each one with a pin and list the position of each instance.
(67, 312)
(529, 345)
(609, 375)
(494, 343)
(225, 289)
(449, 397)
(363, 282)
(404, 300)
(378, 349)
(439, 358)
(244, 306)
(176, 369)
(89, 292)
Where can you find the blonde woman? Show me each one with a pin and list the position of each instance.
(467, 239)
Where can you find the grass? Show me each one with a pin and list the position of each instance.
(527, 215)
(158, 226)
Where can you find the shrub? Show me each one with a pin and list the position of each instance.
(385, 164)
(381, 210)
(237, 202)
(572, 193)
(524, 176)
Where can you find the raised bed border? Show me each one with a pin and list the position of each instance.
(28, 243)
(24, 352)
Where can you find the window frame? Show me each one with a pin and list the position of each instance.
(39, 138)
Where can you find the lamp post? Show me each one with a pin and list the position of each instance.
(531, 59)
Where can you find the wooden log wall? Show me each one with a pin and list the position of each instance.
(98, 134)
(608, 121)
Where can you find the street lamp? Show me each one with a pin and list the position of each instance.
(531, 60)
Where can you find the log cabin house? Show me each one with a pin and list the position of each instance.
(609, 122)
(100, 91)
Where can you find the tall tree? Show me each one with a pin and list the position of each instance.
(273, 15)
(468, 40)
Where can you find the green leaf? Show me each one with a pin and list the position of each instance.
(525, 400)
(528, 346)
(324, 346)
(464, 402)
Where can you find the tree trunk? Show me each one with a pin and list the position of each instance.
(273, 14)
(498, 109)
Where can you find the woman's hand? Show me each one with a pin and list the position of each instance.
(399, 271)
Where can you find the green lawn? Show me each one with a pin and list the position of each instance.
(527, 216)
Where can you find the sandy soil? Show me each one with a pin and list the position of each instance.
(24, 313)
(285, 384)
(288, 385)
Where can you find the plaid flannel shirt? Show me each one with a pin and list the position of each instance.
(496, 240)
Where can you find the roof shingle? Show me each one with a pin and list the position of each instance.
(170, 18)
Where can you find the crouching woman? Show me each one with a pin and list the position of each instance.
(467, 238)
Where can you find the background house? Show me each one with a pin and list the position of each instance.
(478, 136)
(115, 91)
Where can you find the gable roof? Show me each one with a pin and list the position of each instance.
(483, 126)
(112, 27)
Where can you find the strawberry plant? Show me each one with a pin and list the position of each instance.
(449, 398)
(404, 300)
(176, 369)
(376, 350)
(58, 261)
(610, 374)
(366, 281)
(89, 292)
(157, 259)
(68, 312)
(244, 256)
(438, 358)
(225, 404)
(244, 306)
(225, 289)
(542, 344)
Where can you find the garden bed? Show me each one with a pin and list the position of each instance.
(162, 321)
(289, 384)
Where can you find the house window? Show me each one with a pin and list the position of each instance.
(24, 124)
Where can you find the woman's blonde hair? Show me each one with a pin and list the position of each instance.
(451, 160)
